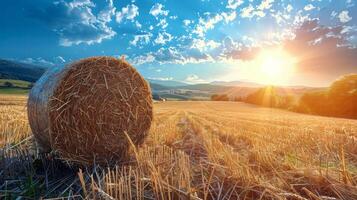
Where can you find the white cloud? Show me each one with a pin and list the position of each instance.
(163, 38)
(193, 78)
(79, 3)
(344, 17)
(333, 14)
(233, 4)
(107, 13)
(76, 23)
(163, 23)
(350, 3)
(141, 39)
(38, 61)
(172, 55)
(289, 8)
(203, 45)
(158, 9)
(265, 4)
(207, 24)
(300, 18)
(142, 59)
(309, 7)
(128, 12)
(259, 11)
(162, 78)
(229, 17)
(137, 24)
(173, 17)
(248, 12)
(59, 59)
(186, 22)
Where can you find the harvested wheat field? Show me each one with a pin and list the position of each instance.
(195, 150)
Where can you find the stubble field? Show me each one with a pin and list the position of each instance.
(195, 150)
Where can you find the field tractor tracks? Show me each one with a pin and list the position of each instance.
(192, 141)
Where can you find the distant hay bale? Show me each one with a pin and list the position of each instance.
(83, 110)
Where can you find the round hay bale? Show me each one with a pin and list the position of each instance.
(84, 110)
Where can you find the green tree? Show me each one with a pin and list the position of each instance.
(219, 97)
(8, 84)
(343, 96)
(314, 103)
(264, 96)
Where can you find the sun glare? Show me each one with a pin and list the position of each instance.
(275, 66)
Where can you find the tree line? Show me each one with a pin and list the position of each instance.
(338, 100)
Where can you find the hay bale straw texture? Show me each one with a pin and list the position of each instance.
(83, 110)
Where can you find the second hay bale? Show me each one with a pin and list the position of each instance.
(82, 111)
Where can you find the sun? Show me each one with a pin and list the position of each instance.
(275, 66)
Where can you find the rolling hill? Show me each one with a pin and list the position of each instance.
(237, 83)
(11, 70)
(20, 71)
(168, 83)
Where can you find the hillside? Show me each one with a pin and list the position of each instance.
(10, 86)
(167, 83)
(15, 83)
(237, 83)
(20, 71)
(166, 88)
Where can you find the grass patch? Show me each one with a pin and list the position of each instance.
(15, 83)
(17, 91)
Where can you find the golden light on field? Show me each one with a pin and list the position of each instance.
(275, 65)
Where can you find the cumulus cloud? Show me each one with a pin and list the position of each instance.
(187, 22)
(344, 17)
(203, 45)
(237, 51)
(173, 17)
(247, 12)
(209, 22)
(128, 12)
(59, 59)
(106, 14)
(259, 11)
(158, 9)
(172, 55)
(265, 4)
(163, 23)
(250, 12)
(143, 59)
(228, 17)
(233, 4)
(138, 25)
(141, 39)
(193, 78)
(309, 7)
(163, 38)
(38, 61)
(323, 53)
(75, 21)
(162, 78)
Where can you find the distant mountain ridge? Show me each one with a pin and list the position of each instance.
(166, 88)
(167, 83)
(237, 83)
(20, 71)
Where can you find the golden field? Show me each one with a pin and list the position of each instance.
(195, 150)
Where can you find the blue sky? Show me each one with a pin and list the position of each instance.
(192, 41)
